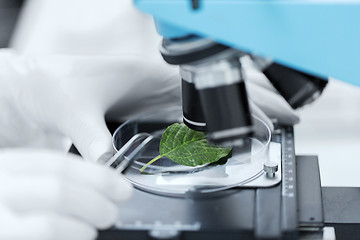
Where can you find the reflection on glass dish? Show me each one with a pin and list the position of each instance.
(166, 166)
(169, 178)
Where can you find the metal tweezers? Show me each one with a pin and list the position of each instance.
(119, 161)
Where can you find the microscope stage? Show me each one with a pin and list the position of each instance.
(250, 212)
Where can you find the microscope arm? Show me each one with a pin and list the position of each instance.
(318, 37)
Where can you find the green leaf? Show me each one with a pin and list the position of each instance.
(187, 147)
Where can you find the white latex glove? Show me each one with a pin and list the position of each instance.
(49, 98)
(57, 97)
(46, 195)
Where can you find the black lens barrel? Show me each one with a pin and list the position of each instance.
(298, 88)
(227, 113)
(192, 110)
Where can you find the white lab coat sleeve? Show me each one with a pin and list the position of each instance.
(86, 27)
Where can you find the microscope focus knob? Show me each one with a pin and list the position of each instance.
(270, 168)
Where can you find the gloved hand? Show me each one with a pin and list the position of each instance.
(61, 98)
(47, 195)
(50, 98)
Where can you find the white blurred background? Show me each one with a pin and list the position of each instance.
(330, 128)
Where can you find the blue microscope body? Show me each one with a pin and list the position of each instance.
(317, 37)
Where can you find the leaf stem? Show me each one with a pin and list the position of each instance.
(151, 162)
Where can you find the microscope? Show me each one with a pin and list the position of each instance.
(214, 96)
(296, 44)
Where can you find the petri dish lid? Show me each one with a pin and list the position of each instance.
(166, 177)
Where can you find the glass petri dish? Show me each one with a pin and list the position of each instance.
(166, 177)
